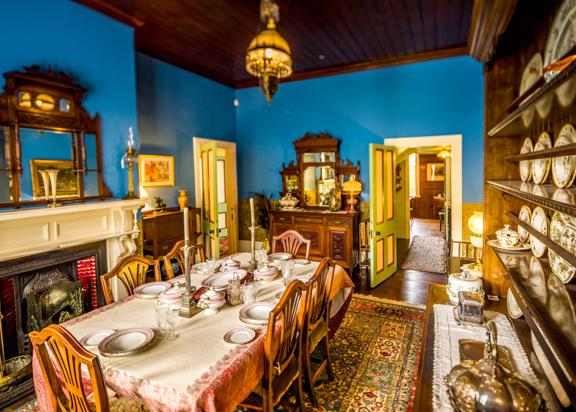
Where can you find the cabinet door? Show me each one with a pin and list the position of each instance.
(339, 244)
(315, 234)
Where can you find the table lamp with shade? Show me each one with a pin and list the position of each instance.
(476, 225)
(352, 187)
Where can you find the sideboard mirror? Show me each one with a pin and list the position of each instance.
(44, 127)
(318, 171)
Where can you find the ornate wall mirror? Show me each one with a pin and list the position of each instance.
(318, 170)
(44, 128)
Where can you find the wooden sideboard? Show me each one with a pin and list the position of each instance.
(162, 230)
(332, 234)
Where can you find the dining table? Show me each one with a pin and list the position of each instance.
(199, 370)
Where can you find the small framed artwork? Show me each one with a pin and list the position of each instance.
(434, 172)
(156, 170)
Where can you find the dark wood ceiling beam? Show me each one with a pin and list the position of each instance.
(367, 65)
(110, 10)
(489, 20)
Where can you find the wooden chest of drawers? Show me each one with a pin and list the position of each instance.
(332, 234)
(163, 230)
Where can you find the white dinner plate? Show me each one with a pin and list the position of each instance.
(127, 342)
(199, 267)
(94, 338)
(531, 73)
(301, 262)
(526, 165)
(524, 215)
(151, 290)
(539, 221)
(521, 247)
(280, 257)
(513, 309)
(219, 281)
(564, 167)
(256, 313)
(240, 336)
(561, 34)
(541, 167)
(563, 233)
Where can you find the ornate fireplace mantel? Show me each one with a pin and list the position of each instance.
(32, 231)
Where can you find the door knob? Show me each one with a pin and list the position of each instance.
(211, 231)
(377, 233)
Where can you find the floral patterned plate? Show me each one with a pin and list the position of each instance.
(513, 309)
(524, 215)
(563, 233)
(526, 165)
(564, 167)
(539, 221)
(541, 167)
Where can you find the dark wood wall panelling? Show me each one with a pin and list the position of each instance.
(526, 35)
(424, 206)
(210, 37)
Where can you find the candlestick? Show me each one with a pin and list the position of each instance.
(251, 211)
(252, 263)
(186, 226)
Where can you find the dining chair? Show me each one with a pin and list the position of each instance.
(316, 322)
(291, 241)
(196, 251)
(65, 365)
(282, 352)
(131, 271)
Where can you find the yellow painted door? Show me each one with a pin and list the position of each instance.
(383, 261)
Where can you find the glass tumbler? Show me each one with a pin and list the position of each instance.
(287, 271)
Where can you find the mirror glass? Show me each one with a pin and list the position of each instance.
(91, 184)
(4, 175)
(318, 182)
(44, 151)
(319, 157)
(90, 145)
(291, 183)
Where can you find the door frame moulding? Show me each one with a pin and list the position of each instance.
(455, 141)
(233, 189)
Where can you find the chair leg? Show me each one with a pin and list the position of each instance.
(309, 375)
(299, 393)
(267, 405)
(326, 350)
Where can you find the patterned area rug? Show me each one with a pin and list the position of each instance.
(375, 355)
(426, 254)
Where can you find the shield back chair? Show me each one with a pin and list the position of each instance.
(65, 365)
(316, 322)
(196, 253)
(282, 352)
(291, 241)
(131, 271)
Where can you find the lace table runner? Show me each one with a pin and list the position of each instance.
(448, 333)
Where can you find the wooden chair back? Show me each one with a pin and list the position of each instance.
(319, 288)
(291, 241)
(196, 253)
(283, 339)
(62, 359)
(131, 271)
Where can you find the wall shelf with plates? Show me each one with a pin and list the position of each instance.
(551, 102)
(553, 329)
(566, 150)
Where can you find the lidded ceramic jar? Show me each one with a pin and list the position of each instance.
(507, 237)
(458, 282)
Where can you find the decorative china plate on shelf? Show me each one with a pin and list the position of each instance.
(94, 338)
(513, 309)
(564, 167)
(541, 167)
(536, 283)
(524, 215)
(539, 221)
(526, 165)
(520, 247)
(280, 257)
(256, 313)
(532, 73)
(127, 342)
(240, 336)
(151, 290)
(562, 34)
(219, 281)
(563, 233)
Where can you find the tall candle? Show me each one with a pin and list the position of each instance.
(186, 227)
(252, 212)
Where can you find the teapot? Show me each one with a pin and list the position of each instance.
(486, 385)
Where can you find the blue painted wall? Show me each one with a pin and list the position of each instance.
(432, 98)
(174, 106)
(97, 51)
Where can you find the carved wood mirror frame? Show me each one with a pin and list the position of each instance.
(316, 143)
(47, 101)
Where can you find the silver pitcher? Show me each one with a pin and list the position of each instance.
(486, 385)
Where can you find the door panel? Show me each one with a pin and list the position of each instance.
(383, 262)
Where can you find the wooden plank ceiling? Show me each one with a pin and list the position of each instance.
(209, 37)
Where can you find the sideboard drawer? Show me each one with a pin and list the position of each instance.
(281, 218)
(339, 222)
(307, 220)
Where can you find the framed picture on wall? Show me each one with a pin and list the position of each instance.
(156, 170)
(434, 172)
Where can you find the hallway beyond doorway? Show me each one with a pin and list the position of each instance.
(425, 227)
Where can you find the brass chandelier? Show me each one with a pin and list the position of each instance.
(268, 56)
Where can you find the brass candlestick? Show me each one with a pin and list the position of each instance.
(130, 159)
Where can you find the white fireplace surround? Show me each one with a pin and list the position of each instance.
(28, 232)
